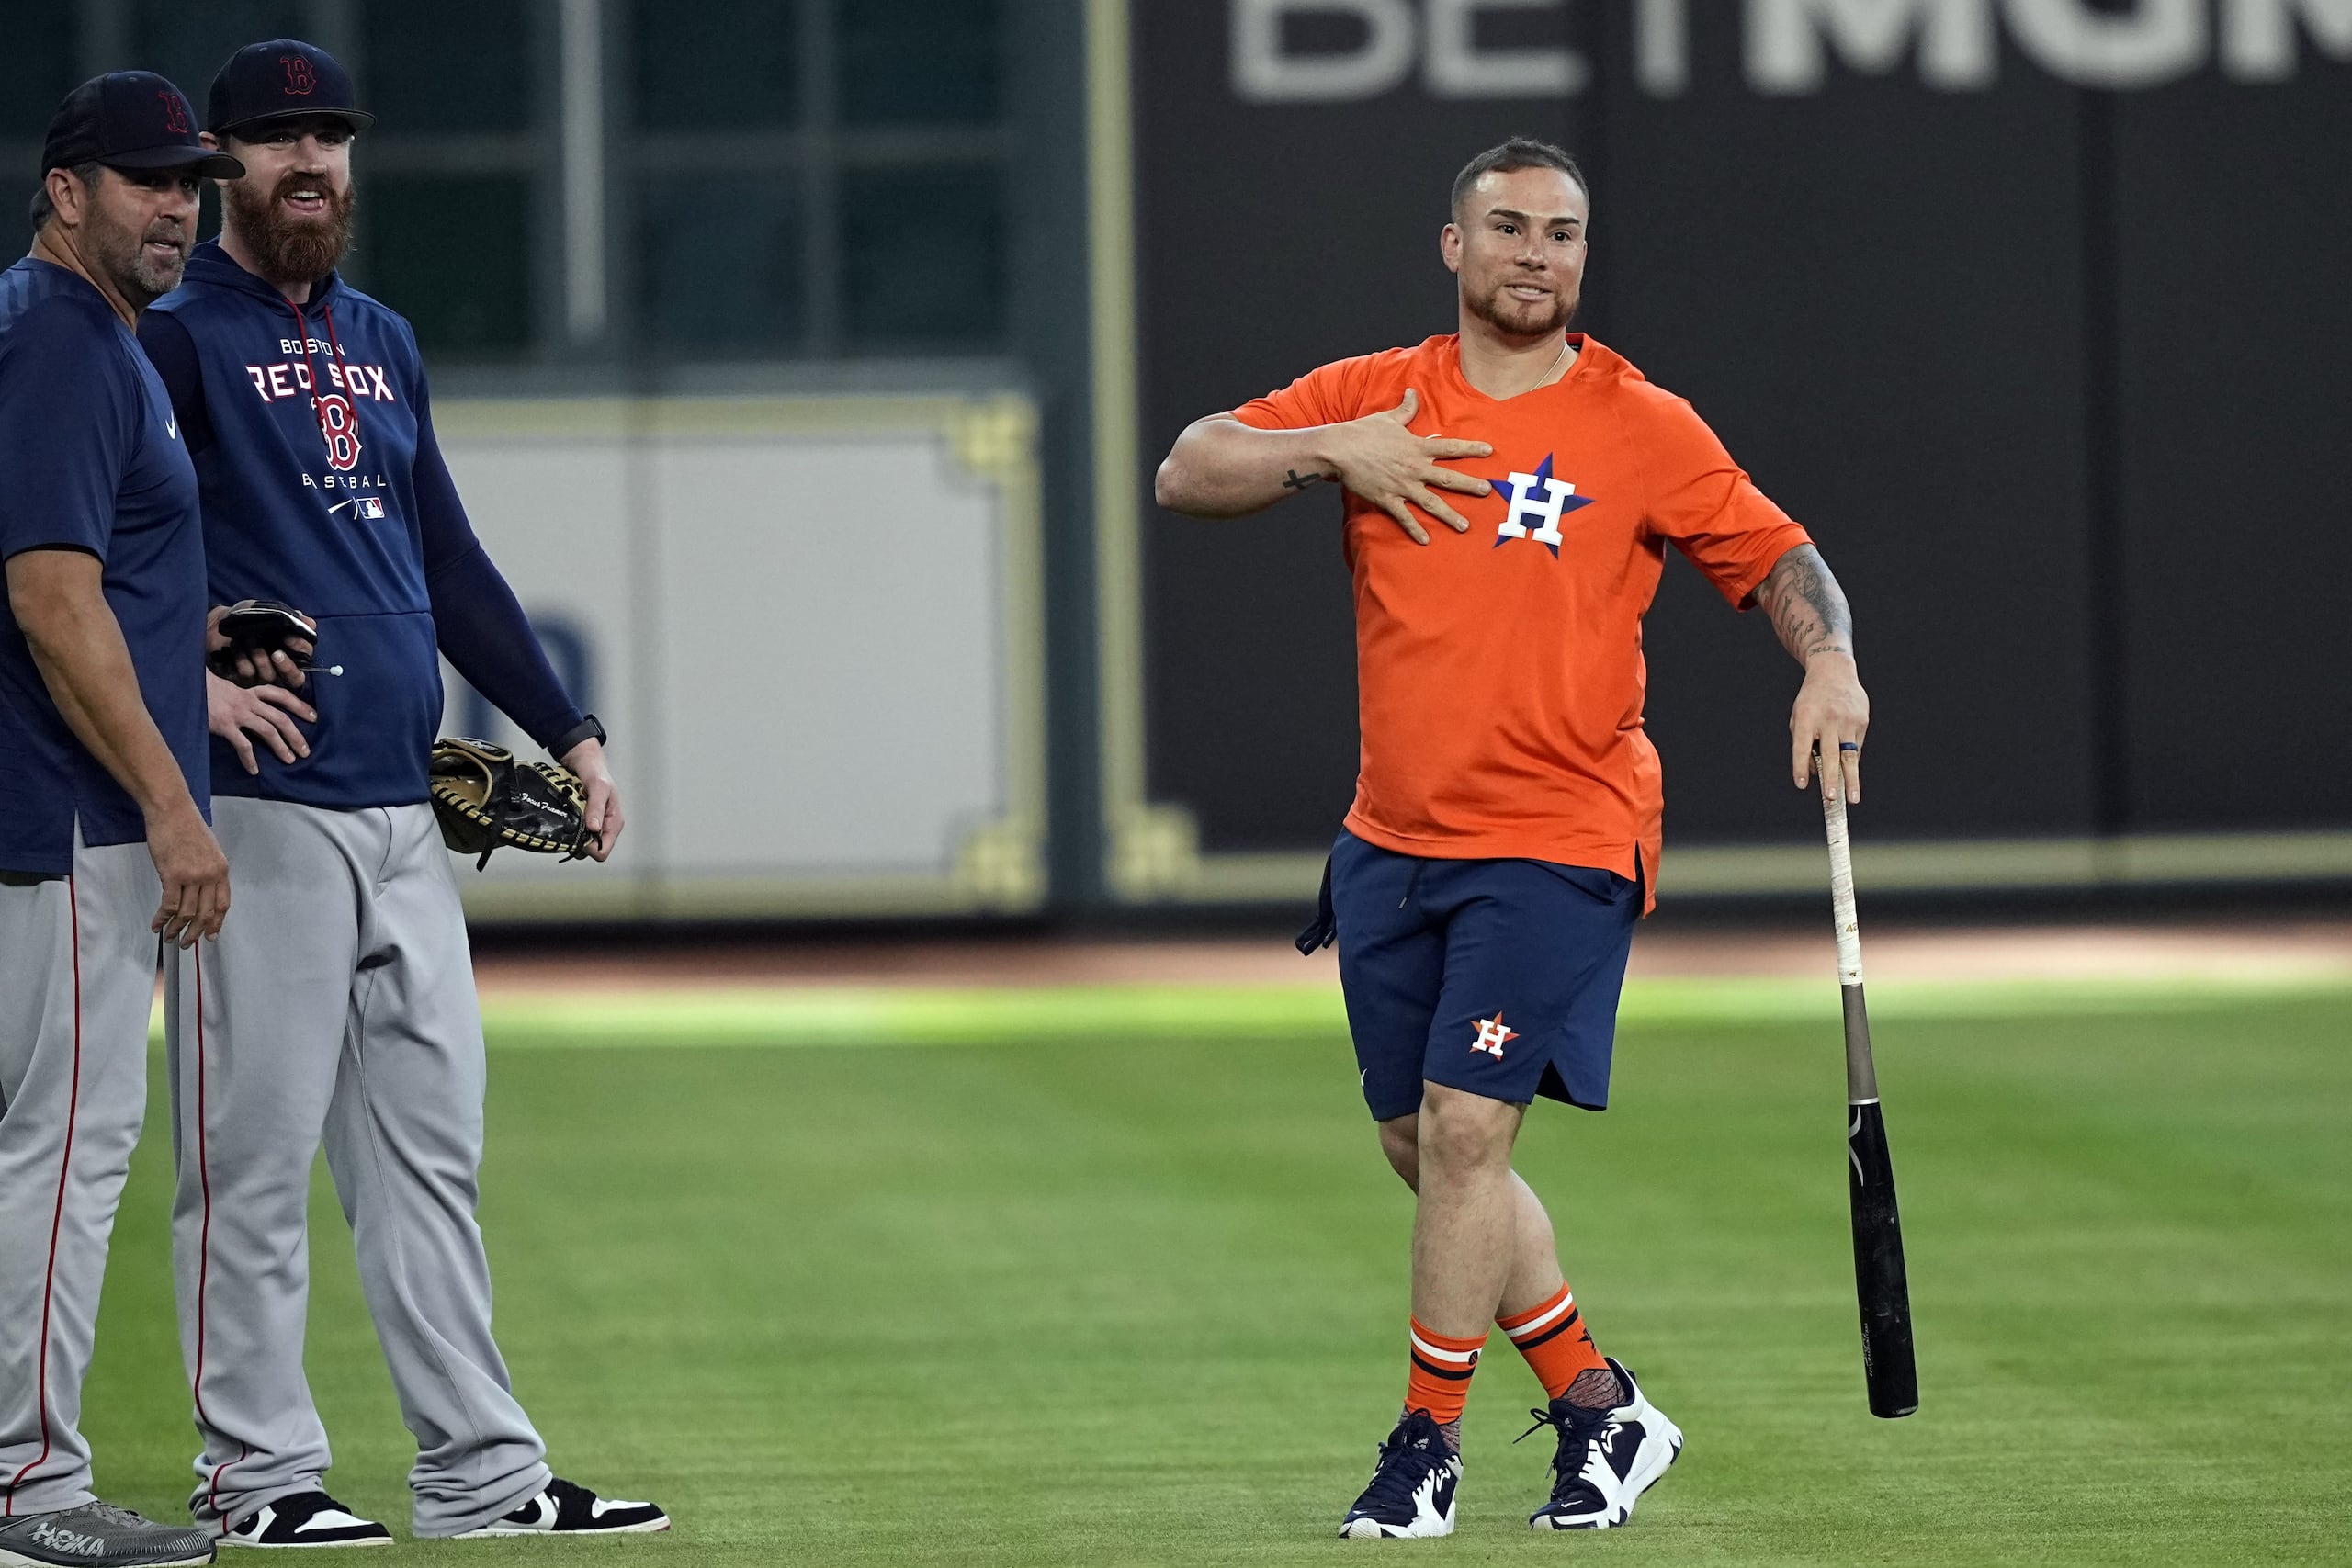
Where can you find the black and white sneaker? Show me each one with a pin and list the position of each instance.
(305, 1518)
(101, 1535)
(1607, 1458)
(1413, 1487)
(564, 1508)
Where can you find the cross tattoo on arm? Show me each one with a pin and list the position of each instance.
(1297, 480)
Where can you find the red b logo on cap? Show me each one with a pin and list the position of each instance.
(175, 119)
(299, 78)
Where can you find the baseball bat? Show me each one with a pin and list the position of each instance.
(1889, 1371)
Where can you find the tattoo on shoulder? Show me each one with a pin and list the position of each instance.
(1808, 610)
(1297, 480)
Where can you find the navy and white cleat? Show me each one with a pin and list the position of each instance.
(305, 1518)
(564, 1508)
(1411, 1493)
(1607, 1458)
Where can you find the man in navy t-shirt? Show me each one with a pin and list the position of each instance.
(341, 1010)
(104, 843)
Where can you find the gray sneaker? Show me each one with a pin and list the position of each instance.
(100, 1535)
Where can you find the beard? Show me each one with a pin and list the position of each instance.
(121, 254)
(1517, 318)
(291, 249)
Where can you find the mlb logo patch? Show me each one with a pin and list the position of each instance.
(371, 508)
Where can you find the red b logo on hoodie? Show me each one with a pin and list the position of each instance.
(339, 428)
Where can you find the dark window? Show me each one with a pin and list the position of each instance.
(37, 69)
(917, 61)
(449, 65)
(722, 263)
(190, 43)
(923, 257)
(717, 64)
(453, 255)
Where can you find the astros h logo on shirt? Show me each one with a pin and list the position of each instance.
(1539, 499)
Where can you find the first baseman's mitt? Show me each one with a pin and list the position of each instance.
(485, 799)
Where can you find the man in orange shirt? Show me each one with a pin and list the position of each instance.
(1505, 834)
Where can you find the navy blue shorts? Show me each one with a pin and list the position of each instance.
(1499, 978)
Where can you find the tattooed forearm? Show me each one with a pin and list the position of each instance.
(1807, 607)
(1296, 481)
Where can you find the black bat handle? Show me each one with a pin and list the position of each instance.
(1890, 1372)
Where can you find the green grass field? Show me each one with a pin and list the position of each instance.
(1113, 1287)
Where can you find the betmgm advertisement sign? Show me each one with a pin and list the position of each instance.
(1785, 46)
(2032, 310)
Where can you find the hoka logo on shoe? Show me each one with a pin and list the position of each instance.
(73, 1541)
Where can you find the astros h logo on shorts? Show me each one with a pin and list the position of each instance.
(1492, 1036)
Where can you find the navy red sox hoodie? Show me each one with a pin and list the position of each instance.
(312, 430)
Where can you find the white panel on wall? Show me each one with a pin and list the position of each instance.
(811, 626)
(835, 593)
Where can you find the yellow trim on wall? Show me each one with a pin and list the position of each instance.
(1938, 866)
(1147, 853)
(2130, 859)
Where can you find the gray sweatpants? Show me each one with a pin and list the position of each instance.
(77, 977)
(338, 1004)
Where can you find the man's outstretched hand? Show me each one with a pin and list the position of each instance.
(1380, 459)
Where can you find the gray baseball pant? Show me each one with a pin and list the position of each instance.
(77, 979)
(337, 1005)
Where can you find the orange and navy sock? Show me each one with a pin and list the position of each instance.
(1440, 1379)
(1559, 1350)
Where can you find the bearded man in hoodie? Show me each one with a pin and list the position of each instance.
(346, 1014)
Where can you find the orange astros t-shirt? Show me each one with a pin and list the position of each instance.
(1499, 671)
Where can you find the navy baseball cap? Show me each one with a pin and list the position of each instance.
(130, 119)
(278, 80)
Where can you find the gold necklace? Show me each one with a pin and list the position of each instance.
(1545, 377)
(1549, 368)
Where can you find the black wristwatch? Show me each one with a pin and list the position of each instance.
(586, 729)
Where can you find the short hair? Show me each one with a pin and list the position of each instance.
(43, 209)
(1518, 153)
